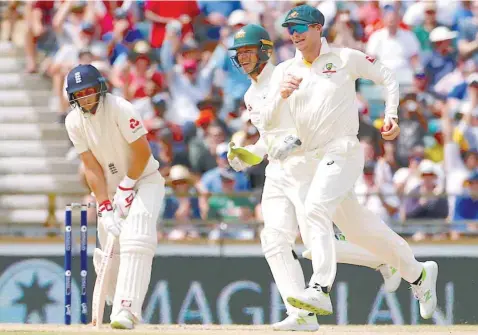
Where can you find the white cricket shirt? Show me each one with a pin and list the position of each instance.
(254, 99)
(324, 106)
(107, 134)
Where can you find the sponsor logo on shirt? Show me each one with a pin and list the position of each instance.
(134, 124)
(371, 59)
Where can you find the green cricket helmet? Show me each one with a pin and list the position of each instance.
(253, 35)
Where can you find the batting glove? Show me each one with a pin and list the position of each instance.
(282, 149)
(234, 160)
(124, 197)
(106, 214)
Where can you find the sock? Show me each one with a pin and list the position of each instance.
(419, 278)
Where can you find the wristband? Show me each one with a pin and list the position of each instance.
(105, 206)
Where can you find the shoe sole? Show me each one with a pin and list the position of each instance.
(310, 328)
(434, 268)
(307, 307)
(117, 325)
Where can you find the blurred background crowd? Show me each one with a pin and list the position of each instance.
(171, 60)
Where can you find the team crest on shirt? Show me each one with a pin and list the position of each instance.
(329, 69)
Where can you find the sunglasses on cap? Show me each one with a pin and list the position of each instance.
(299, 28)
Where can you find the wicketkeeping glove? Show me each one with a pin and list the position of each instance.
(282, 149)
(240, 158)
(107, 218)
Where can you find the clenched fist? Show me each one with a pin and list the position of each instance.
(289, 85)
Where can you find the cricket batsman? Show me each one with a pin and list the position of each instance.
(318, 89)
(282, 204)
(111, 140)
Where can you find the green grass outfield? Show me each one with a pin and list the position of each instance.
(233, 329)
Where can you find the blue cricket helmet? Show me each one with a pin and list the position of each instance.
(82, 77)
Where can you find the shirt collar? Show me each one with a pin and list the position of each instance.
(324, 49)
(264, 75)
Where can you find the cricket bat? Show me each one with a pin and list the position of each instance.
(102, 281)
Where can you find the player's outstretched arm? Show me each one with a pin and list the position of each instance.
(94, 176)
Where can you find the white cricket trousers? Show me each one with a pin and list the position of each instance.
(330, 197)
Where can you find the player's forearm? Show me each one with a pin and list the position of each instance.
(140, 154)
(393, 94)
(97, 182)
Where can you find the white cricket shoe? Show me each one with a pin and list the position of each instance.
(295, 322)
(426, 290)
(123, 320)
(312, 300)
(391, 277)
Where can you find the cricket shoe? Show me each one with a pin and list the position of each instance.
(313, 300)
(123, 320)
(391, 277)
(296, 322)
(426, 290)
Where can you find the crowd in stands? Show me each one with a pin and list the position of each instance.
(171, 60)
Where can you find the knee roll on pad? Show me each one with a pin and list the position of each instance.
(139, 235)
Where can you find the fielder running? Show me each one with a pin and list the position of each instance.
(110, 138)
(282, 205)
(319, 90)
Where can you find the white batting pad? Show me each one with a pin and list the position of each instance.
(138, 241)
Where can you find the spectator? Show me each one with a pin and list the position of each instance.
(425, 200)
(429, 102)
(452, 80)
(387, 165)
(179, 206)
(466, 206)
(346, 32)
(228, 209)
(216, 14)
(413, 127)
(161, 13)
(443, 58)
(468, 28)
(203, 151)
(395, 47)
(189, 82)
(407, 178)
(368, 149)
(141, 79)
(211, 181)
(381, 198)
(39, 33)
(429, 22)
(11, 15)
(163, 150)
(435, 152)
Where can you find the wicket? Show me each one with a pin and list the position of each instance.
(83, 261)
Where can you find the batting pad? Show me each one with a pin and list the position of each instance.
(138, 242)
